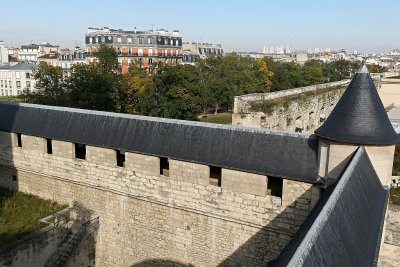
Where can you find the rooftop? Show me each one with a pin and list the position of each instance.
(19, 66)
(332, 237)
(234, 147)
(359, 117)
(106, 30)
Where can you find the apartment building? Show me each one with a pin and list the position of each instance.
(65, 59)
(146, 47)
(14, 79)
(31, 52)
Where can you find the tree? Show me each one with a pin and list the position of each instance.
(107, 59)
(50, 86)
(229, 76)
(375, 68)
(137, 83)
(340, 69)
(266, 74)
(177, 93)
(312, 73)
(286, 75)
(91, 88)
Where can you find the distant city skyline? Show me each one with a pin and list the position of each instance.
(366, 26)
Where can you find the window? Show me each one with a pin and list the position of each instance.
(1, 84)
(103, 39)
(18, 84)
(140, 52)
(164, 166)
(9, 84)
(90, 40)
(17, 75)
(215, 176)
(19, 139)
(28, 84)
(14, 178)
(119, 40)
(120, 158)
(80, 151)
(274, 186)
(129, 40)
(129, 51)
(49, 146)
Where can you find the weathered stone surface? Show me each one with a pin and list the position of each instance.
(301, 109)
(244, 182)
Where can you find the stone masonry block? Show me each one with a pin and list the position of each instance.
(382, 159)
(189, 172)
(33, 143)
(102, 156)
(244, 182)
(63, 149)
(142, 163)
(6, 139)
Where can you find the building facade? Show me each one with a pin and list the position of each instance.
(147, 47)
(3, 53)
(14, 79)
(31, 52)
(65, 59)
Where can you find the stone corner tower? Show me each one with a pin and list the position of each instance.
(359, 118)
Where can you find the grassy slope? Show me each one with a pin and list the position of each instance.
(220, 118)
(20, 214)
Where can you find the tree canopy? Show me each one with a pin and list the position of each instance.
(180, 92)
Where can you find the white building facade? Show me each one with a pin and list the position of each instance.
(14, 79)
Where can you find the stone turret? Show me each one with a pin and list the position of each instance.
(359, 118)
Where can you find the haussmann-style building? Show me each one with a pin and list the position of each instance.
(146, 47)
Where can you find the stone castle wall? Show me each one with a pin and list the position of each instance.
(300, 109)
(182, 216)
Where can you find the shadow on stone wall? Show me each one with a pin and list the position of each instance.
(263, 248)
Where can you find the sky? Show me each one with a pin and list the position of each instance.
(246, 25)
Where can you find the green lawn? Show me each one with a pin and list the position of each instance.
(20, 214)
(220, 118)
(10, 98)
(395, 195)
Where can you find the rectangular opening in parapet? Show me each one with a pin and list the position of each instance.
(215, 176)
(274, 186)
(19, 139)
(80, 151)
(120, 158)
(15, 178)
(164, 166)
(49, 146)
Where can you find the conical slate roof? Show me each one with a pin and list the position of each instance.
(359, 117)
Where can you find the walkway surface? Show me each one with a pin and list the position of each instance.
(390, 95)
(390, 251)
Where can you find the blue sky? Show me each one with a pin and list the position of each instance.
(366, 26)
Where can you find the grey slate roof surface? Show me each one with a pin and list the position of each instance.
(359, 117)
(280, 154)
(345, 227)
(19, 66)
